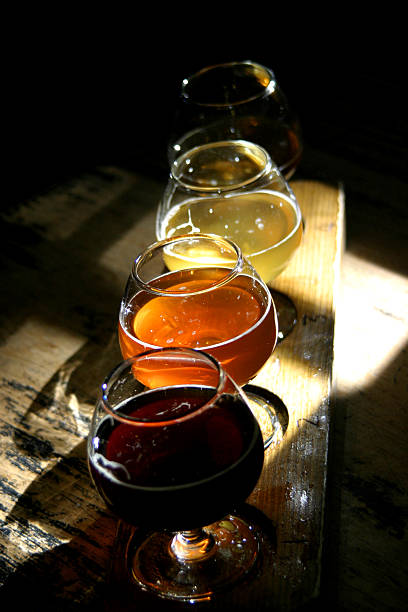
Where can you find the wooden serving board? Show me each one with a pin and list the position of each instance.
(66, 258)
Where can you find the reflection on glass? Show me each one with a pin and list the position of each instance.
(233, 189)
(174, 461)
(237, 100)
(198, 291)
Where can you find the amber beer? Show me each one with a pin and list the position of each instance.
(238, 100)
(234, 322)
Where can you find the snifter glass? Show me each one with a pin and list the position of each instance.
(237, 100)
(233, 189)
(198, 291)
(173, 449)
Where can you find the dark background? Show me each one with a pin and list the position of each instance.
(79, 93)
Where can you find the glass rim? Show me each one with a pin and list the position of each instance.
(268, 89)
(128, 363)
(161, 244)
(257, 150)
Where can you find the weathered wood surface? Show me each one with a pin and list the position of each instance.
(66, 258)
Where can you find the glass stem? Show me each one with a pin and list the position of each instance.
(193, 545)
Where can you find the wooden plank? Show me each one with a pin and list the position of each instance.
(66, 257)
(292, 488)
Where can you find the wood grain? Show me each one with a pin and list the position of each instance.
(66, 259)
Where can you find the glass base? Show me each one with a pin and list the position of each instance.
(286, 312)
(161, 565)
(270, 412)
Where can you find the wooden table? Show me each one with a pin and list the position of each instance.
(67, 256)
